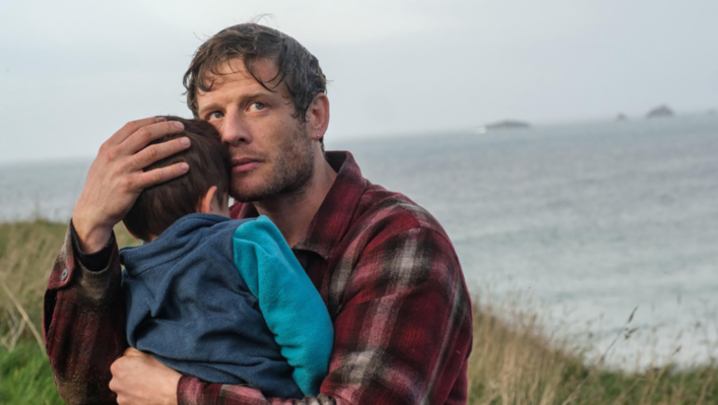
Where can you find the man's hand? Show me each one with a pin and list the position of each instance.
(116, 177)
(139, 379)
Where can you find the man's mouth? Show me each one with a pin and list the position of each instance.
(245, 164)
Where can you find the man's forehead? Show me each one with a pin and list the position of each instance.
(235, 69)
(235, 72)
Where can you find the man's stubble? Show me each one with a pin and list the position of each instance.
(292, 171)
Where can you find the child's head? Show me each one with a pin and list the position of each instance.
(204, 188)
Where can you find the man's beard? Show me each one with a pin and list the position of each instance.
(292, 170)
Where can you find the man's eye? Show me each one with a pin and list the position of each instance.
(214, 116)
(258, 106)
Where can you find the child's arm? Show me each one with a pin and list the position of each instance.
(291, 305)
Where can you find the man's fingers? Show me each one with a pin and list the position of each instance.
(159, 151)
(130, 128)
(148, 133)
(131, 351)
(162, 174)
(138, 378)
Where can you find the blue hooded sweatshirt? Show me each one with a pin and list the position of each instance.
(227, 301)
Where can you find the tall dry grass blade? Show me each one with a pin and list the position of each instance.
(14, 322)
(707, 384)
(602, 360)
(26, 318)
(16, 335)
(549, 393)
(5, 342)
(627, 391)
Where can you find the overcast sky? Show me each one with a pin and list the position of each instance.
(72, 72)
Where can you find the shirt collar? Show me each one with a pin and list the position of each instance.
(333, 218)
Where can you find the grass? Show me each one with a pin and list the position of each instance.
(25, 376)
(27, 252)
(515, 359)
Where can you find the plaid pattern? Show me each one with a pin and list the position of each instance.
(385, 269)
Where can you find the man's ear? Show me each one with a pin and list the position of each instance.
(205, 204)
(318, 116)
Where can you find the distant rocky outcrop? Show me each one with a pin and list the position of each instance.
(661, 111)
(712, 111)
(621, 117)
(503, 125)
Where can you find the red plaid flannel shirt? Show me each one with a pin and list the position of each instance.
(385, 269)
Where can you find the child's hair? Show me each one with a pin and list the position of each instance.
(161, 205)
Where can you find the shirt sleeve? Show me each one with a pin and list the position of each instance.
(92, 261)
(84, 325)
(291, 305)
(402, 334)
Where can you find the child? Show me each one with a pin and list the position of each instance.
(223, 300)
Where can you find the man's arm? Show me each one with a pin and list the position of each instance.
(402, 336)
(83, 325)
(83, 314)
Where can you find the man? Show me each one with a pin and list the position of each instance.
(384, 267)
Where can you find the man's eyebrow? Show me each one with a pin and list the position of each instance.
(210, 107)
(242, 99)
(256, 93)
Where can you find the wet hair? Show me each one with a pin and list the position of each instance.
(296, 66)
(159, 206)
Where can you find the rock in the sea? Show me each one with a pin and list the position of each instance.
(712, 111)
(660, 112)
(621, 117)
(503, 125)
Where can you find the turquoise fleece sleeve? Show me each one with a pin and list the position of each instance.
(291, 305)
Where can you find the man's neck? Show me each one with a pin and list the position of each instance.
(293, 212)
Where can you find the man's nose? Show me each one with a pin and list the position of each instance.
(234, 130)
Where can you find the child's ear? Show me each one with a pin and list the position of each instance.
(131, 234)
(205, 204)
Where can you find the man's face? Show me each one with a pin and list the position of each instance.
(271, 150)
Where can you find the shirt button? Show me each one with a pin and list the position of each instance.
(64, 274)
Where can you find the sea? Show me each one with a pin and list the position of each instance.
(600, 228)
